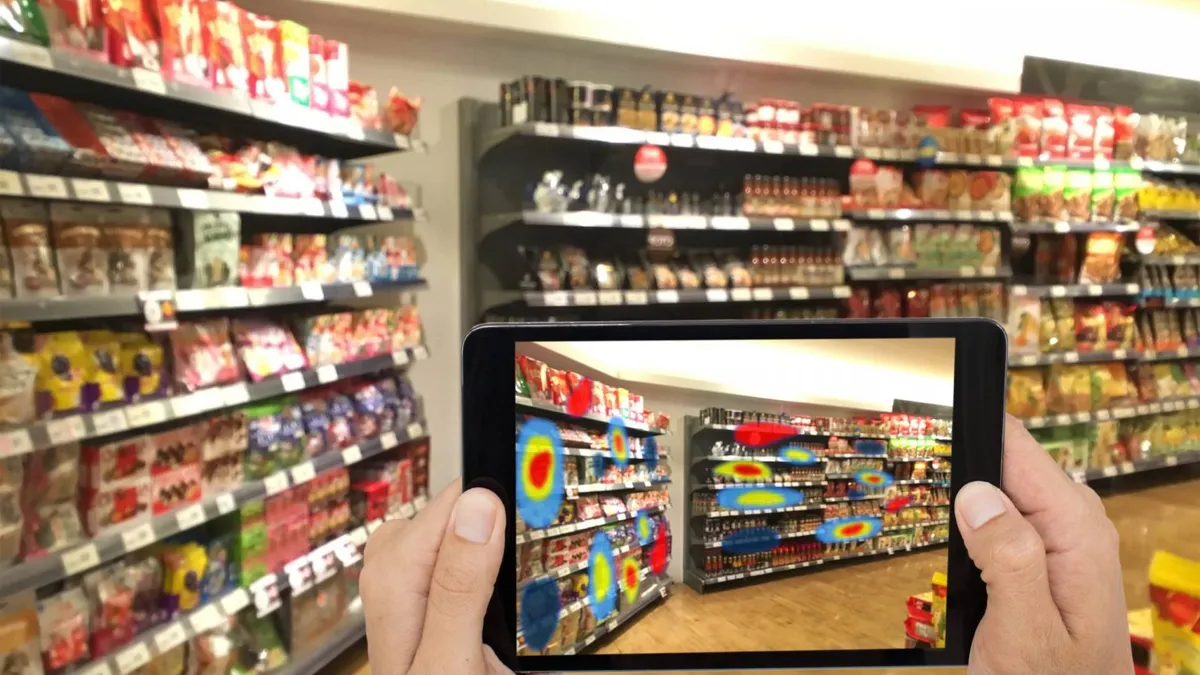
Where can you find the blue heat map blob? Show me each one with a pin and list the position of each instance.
(751, 498)
(539, 473)
(540, 604)
(598, 466)
(798, 456)
(650, 453)
(873, 478)
(602, 577)
(618, 442)
(848, 530)
(750, 540)
(644, 528)
(870, 447)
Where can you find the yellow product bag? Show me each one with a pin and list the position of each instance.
(1175, 597)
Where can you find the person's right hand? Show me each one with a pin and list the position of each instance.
(1049, 556)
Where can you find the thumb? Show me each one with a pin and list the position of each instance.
(467, 563)
(1010, 554)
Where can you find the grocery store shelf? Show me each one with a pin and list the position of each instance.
(909, 526)
(88, 426)
(657, 591)
(1137, 466)
(740, 458)
(1179, 302)
(1024, 360)
(534, 535)
(893, 272)
(854, 455)
(924, 215)
(559, 413)
(107, 547)
(35, 68)
(758, 512)
(1176, 259)
(726, 578)
(43, 186)
(735, 427)
(1114, 413)
(564, 570)
(1064, 227)
(671, 222)
(764, 484)
(864, 498)
(1074, 290)
(913, 459)
(615, 487)
(1170, 215)
(1181, 352)
(199, 300)
(590, 298)
(351, 629)
(604, 452)
(795, 535)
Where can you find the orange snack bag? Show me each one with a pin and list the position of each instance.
(1175, 600)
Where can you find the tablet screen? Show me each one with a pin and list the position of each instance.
(732, 495)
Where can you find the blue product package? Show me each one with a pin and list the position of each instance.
(289, 447)
(316, 424)
(220, 576)
(38, 147)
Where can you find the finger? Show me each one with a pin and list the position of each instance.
(467, 563)
(1031, 478)
(397, 568)
(1010, 555)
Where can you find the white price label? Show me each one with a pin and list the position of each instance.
(784, 224)
(303, 473)
(773, 147)
(1127, 467)
(1171, 460)
(1103, 415)
(666, 297)
(235, 602)
(192, 199)
(1071, 357)
(1181, 351)
(415, 430)
(993, 160)
(809, 150)
(132, 658)
(299, 576)
(235, 394)
(740, 294)
(138, 538)
(66, 430)
(544, 129)
(275, 483)
(876, 214)
(80, 560)
(421, 502)
(206, 618)
(730, 223)
(818, 225)
(1024, 161)
(326, 374)
(1058, 291)
(312, 291)
(170, 637)
(636, 297)
(1027, 360)
(967, 271)
(585, 298)
(15, 443)
(46, 187)
(90, 190)
(683, 140)
(292, 382)
(226, 503)
(367, 212)
(133, 193)
(1119, 354)
(145, 414)
(362, 289)
(110, 422)
(234, 297)
(352, 455)
(973, 159)
(609, 298)
(322, 564)
(1109, 471)
(871, 153)
(798, 293)
(420, 352)
(400, 358)
(761, 294)
(843, 151)
(30, 55)
(717, 295)
(556, 299)
(10, 184)
(149, 80)
(385, 213)
(388, 440)
(338, 209)
(312, 207)
(191, 517)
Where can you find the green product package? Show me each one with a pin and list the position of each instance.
(1126, 183)
(1077, 195)
(1102, 196)
(23, 20)
(1054, 182)
(1027, 194)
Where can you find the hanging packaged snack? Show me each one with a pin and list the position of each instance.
(1027, 194)
(1077, 195)
(203, 355)
(27, 230)
(1103, 196)
(1054, 180)
(1102, 258)
(214, 237)
(1028, 126)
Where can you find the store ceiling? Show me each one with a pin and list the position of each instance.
(851, 373)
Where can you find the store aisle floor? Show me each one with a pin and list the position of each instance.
(1165, 517)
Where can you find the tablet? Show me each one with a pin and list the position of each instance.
(733, 495)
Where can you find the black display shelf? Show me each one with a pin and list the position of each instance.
(558, 413)
(564, 570)
(1176, 302)
(199, 300)
(615, 487)
(1177, 259)
(1074, 290)
(90, 426)
(1169, 215)
(927, 215)
(1064, 227)
(35, 68)
(594, 219)
(895, 272)
(1113, 413)
(656, 591)
(107, 547)
(44, 186)
(1155, 463)
(348, 632)
(535, 535)
(1027, 360)
(615, 298)
(1182, 352)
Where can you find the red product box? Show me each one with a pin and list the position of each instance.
(186, 147)
(1105, 132)
(368, 501)
(177, 488)
(163, 162)
(175, 449)
(116, 140)
(76, 26)
(115, 503)
(1081, 131)
(90, 156)
(184, 28)
(1054, 129)
(227, 49)
(115, 462)
(264, 59)
(404, 481)
(1028, 120)
(131, 34)
(337, 72)
(320, 96)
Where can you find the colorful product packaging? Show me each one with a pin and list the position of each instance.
(337, 68)
(1175, 600)
(319, 98)
(293, 44)
(185, 40)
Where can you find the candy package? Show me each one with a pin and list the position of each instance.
(27, 231)
(215, 238)
(266, 348)
(1102, 258)
(64, 622)
(203, 355)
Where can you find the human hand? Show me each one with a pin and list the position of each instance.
(1049, 556)
(426, 584)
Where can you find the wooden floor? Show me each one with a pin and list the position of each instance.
(867, 614)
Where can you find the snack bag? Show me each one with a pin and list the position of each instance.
(1077, 195)
(1102, 258)
(1103, 197)
(1052, 207)
(1027, 192)
(1175, 597)
(1023, 325)
(293, 43)
(1126, 183)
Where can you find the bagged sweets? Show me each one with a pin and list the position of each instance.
(81, 260)
(263, 57)
(19, 376)
(1102, 258)
(266, 349)
(1103, 196)
(1175, 602)
(1027, 194)
(63, 370)
(1024, 325)
(1053, 184)
(203, 355)
(214, 238)
(1126, 183)
(1077, 195)
(26, 228)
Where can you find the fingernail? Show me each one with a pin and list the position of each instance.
(474, 516)
(979, 503)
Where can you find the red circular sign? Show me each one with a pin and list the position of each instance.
(1145, 240)
(650, 163)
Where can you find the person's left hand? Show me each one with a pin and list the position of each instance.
(426, 584)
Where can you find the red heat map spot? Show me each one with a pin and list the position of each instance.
(747, 470)
(896, 504)
(658, 554)
(853, 530)
(630, 576)
(580, 401)
(758, 434)
(539, 469)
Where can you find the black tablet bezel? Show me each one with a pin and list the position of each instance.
(489, 409)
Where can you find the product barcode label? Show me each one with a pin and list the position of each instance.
(133, 193)
(585, 298)
(10, 184)
(303, 473)
(1071, 357)
(716, 295)
(226, 503)
(415, 430)
(556, 299)
(275, 483)
(170, 637)
(1058, 291)
(132, 658)
(66, 430)
(740, 294)
(81, 559)
(46, 187)
(110, 422)
(666, 297)
(191, 517)
(137, 538)
(327, 373)
(90, 190)
(292, 382)
(388, 440)
(338, 209)
(145, 414)
(636, 297)
(367, 212)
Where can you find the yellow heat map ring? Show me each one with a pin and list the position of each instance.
(761, 499)
(631, 590)
(602, 575)
(535, 447)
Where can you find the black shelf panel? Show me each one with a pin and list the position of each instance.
(1114, 413)
(671, 222)
(1064, 227)
(99, 191)
(36, 68)
(199, 300)
(1136, 466)
(588, 298)
(928, 215)
(893, 272)
(558, 413)
(1178, 259)
(1074, 290)
(1030, 360)
(108, 547)
(89, 426)
(1171, 215)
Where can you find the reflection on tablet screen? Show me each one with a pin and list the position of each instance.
(733, 495)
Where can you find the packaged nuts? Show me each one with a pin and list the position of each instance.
(82, 263)
(27, 230)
